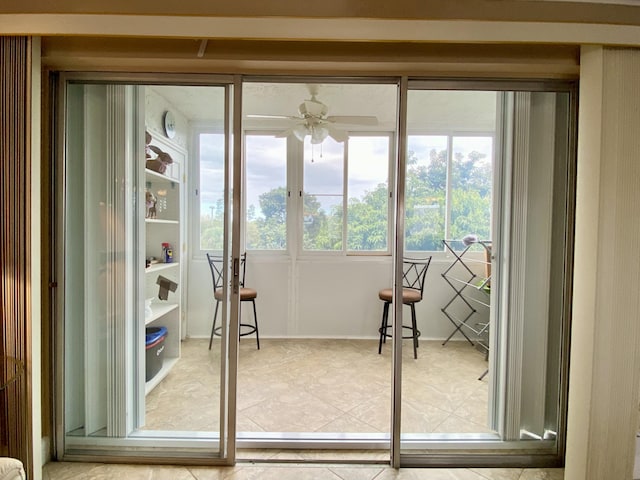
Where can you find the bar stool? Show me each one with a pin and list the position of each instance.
(413, 276)
(246, 295)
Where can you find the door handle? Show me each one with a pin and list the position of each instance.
(236, 275)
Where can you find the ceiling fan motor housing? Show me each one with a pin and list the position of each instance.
(312, 108)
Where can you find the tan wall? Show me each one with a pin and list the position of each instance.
(605, 337)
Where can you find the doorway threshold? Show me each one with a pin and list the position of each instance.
(293, 447)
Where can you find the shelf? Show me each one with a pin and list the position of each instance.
(159, 310)
(156, 267)
(160, 220)
(167, 365)
(159, 176)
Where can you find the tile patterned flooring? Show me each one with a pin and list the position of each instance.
(300, 385)
(95, 471)
(316, 386)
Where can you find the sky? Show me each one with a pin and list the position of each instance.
(368, 164)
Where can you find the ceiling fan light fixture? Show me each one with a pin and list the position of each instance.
(313, 120)
(300, 131)
(318, 134)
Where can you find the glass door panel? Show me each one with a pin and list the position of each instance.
(140, 162)
(487, 199)
(449, 177)
(317, 201)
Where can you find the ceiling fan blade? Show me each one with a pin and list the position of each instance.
(353, 119)
(338, 135)
(283, 134)
(276, 117)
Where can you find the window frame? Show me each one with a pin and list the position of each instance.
(344, 251)
(193, 186)
(244, 206)
(451, 135)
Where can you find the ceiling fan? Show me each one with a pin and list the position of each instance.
(312, 119)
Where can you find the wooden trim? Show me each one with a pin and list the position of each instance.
(288, 57)
(521, 10)
(15, 243)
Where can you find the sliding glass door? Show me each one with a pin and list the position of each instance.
(488, 199)
(401, 249)
(125, 182)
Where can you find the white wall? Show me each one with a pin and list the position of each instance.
(155, 106)
(321, 297)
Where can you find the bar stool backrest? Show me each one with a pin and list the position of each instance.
(414, 273)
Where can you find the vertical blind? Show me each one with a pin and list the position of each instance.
(15, 293)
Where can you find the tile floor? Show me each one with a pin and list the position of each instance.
(300, 385)
(316, 386)
(252, 471)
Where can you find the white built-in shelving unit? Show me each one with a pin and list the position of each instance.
(167, 226)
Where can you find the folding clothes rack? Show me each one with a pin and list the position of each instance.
(463, 280)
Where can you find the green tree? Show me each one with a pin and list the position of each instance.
(425, 202)
(269, 231)
(211, 232)
(368, 219)
(319, 232)
(367, 216)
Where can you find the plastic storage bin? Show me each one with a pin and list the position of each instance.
(154, 350)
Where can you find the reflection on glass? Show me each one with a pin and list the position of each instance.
(124, 224)
(98, 228)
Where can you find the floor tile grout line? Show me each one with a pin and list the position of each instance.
(448, 357)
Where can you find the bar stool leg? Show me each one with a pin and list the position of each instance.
(255, 319)
(414, 330)
(383, 326)
(213, 328)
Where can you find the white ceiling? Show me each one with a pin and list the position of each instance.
(433, 110)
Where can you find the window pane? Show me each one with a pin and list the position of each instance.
(471, 178)
(211, 158)
(425, 196)
(266, 190)
(323, 197)
(368, 191)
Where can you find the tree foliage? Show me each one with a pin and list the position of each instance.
(368, 217)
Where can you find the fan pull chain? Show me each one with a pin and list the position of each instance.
(313, 150)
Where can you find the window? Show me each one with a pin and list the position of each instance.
(210, 148)
(266, 192)
(449, 168)
(368, 189)
(425, 193)
(471, 180)
(362, 222)
(448, 189)
(323, 198)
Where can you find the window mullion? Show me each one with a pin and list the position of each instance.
(345, 196)
(448, 194)
(295, 202)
